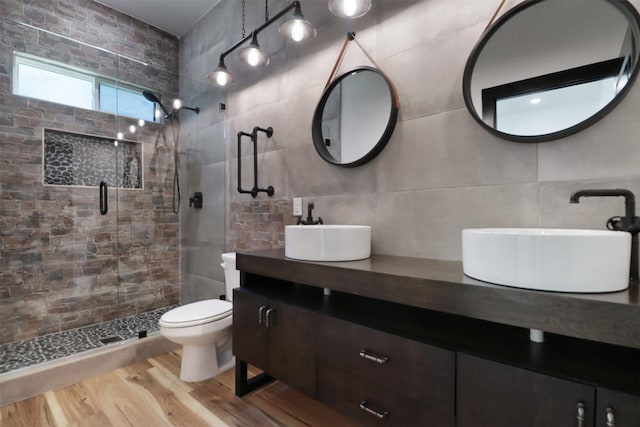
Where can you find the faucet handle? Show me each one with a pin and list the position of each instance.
(623, 223)
(614, 223)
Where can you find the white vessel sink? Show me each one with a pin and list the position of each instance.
(327, 242)
(584, 261)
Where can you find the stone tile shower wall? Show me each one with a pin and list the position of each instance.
(62, 264)
(440, 173)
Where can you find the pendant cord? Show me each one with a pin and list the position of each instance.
(243, 32)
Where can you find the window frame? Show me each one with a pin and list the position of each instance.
(22, 58)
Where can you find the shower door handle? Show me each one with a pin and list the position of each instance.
(104, 206)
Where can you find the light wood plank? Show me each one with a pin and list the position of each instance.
(74, 402)
(57, 413)
(27, 413)
(93, 420)
(122, 405)
(168, 373)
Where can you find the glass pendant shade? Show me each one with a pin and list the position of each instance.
(297, 28)
(349, 9)
(221, 76)
(253, 55)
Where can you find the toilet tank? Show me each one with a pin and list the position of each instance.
(231, 275)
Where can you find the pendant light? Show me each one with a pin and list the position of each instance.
(252, 55)
(349, 9)
(221, 76)
(297, 28)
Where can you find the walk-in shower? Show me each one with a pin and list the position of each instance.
(64, 266)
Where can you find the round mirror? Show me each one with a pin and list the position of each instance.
(355, 117)
(548, 68)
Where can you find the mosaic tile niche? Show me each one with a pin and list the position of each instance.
(85, 160)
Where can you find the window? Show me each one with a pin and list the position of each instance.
(43, 81)
(51, 81)
(126, 102)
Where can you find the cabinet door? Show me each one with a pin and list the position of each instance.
(250, 337)
(616, 409)
(292, 346)
(495, 395)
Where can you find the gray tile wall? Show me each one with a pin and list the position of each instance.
(440, 173)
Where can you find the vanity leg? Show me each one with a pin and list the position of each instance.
(244, 384)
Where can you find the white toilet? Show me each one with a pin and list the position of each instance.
(204, 330)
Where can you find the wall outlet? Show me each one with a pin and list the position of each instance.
(297, 206)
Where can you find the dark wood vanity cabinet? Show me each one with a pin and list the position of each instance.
(497, 395)
(276, 337)
(376, 377)
(374, 355)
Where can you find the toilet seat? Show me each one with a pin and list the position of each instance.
(197, 313)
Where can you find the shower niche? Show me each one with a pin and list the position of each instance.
(86, 160)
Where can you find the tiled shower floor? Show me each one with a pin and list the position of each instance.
(21, 354)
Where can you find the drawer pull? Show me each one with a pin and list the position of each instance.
(378, 358)
(610, 417)
(380, 415)
(580, 415)
(261, 311)
(268, 320)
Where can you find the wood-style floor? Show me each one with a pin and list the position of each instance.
(150, 393)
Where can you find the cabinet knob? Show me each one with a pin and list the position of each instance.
(580, 415)
(380, 415)
(261, 311)
(377, 358)
(610, 417)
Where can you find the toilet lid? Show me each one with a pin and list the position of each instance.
(197, 313)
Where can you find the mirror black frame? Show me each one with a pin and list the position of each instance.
(625, 7)
(316, 126)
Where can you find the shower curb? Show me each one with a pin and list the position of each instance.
(31, 381)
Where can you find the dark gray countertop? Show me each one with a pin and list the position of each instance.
(612, 318)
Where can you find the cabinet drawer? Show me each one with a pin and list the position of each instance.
(346, 393)
(412, 368)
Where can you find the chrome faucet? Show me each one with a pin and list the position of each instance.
(309, 220)
(629, 223)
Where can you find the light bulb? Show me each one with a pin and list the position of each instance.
(132, 129)
(120, 135)
(177, 104)
(297, 32)
(141, 123)
(253, 59)
(349, 7)
(221, 79)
